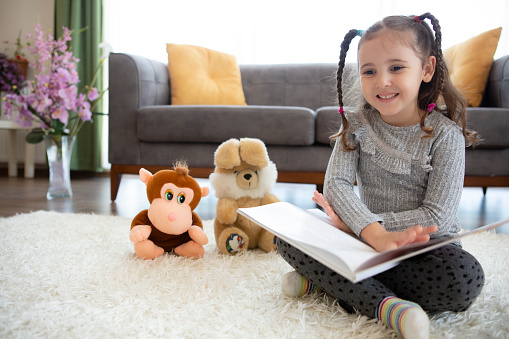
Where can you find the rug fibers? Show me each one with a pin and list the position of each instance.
(76, 276)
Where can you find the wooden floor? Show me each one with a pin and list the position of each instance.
(91, 194)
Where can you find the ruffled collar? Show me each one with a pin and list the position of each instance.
(384, 155)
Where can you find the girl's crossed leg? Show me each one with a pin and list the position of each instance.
(444, 279)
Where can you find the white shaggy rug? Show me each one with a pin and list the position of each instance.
(76, 276)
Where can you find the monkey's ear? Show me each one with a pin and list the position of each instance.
(145, 175)
(204, 191)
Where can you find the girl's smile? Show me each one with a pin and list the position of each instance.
(387, 97)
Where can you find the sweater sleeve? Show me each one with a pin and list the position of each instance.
(443, 193)
(339, 189)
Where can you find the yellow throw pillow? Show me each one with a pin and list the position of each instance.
(201, 76)
(470, 63)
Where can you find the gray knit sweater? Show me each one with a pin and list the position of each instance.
(404, 179)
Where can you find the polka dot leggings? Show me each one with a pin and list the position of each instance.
(444, 279)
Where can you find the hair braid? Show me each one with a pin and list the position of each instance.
(437, 51)
(455, 102)
(345, 46)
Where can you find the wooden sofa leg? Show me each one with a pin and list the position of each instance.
(115, 177)
(319, 188)
(484, 189)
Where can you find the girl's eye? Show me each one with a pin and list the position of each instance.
(396, 68)
(181, 198)
(369, 72)
(168, 195)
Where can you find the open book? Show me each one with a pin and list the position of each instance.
(312, 232)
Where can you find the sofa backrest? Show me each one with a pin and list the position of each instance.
(314, 85)
(303, 85)
(497, 88)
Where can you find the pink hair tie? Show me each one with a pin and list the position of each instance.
(341, 110)
(416, 18)
(431, 107)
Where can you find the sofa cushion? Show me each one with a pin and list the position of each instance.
(299, 85)
(491, 124)
(488, 162)
(287, 158)
(470, 62)
(293, 126)
(201, 76)
(328, 122)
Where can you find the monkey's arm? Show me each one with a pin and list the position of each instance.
(141, 219)
(140, 227)
(196, 232)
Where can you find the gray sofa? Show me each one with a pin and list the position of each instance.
(291, 108)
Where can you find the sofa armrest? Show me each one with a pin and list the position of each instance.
(134, 82)
(497, 88)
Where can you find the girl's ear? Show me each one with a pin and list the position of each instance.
(429, 68)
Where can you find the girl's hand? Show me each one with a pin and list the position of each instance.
(336, 220)
(383, 240)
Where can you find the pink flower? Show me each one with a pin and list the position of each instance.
(7, 105)
(69, 96)
(54, 94)
(24, 118)
(93, 94)
(43, 102)
(84, 112)
(61, 114)
(63, 75)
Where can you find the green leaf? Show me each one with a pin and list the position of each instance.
(35, 136)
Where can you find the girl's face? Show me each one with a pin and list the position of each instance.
(391, 75)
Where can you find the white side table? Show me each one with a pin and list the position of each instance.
(13, 128)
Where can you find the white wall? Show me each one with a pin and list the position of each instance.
(16, 15)
(283, 31)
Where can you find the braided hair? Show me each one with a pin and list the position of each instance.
(425, 43)
(345, 45)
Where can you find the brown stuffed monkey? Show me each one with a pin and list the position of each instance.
(169, 224)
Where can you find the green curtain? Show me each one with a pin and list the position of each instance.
(76, 15)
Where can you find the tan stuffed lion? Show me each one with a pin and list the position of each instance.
(244, 176)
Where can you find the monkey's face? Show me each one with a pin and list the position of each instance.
(171, 212)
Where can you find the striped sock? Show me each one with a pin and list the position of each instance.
(408, 319)
(295, 285)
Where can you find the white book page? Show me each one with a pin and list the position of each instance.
(312, 229)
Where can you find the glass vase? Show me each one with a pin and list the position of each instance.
(58, 150)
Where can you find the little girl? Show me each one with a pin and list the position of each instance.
(404, 144)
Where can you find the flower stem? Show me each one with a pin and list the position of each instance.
(96, 73)
(98, 99)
